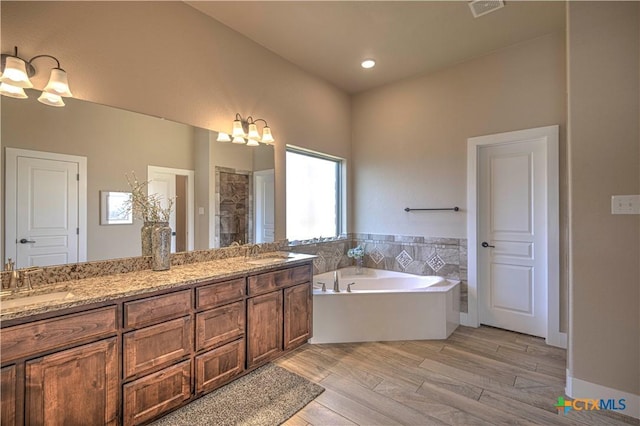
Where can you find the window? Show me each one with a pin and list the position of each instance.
(314, 207)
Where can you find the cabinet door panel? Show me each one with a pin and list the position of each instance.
(8, 392)
(220, 325)
(78, 386)
(297, 315)
(218, 366)
(147, 398)
(155, 346)
(264, 328)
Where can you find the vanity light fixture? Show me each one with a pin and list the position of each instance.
(245, 131)
(15, 78)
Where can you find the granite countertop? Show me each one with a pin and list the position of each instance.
(110, 287)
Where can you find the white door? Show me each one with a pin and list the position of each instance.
(43, 218)
(512, 236)
(162, 181)
(264, 188)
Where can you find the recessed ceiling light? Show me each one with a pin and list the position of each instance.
(368, 63)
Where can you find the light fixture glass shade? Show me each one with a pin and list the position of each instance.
(15, 73)
(238, 139)
(238, 131)
(266, 135)
(51, 99)
(58, 84)
(252, 142)
(253, 132)
(12, 91)
(223, 137)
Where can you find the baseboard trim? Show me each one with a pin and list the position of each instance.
(577, 388)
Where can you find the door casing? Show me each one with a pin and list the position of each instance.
(551, 136)
(11, 158)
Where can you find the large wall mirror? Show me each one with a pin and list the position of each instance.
(224, 192)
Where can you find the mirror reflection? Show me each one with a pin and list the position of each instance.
(58, 161)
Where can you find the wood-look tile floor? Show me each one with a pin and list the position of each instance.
(477, 376)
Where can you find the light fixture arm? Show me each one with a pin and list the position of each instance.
(44, 56)
(258, 119)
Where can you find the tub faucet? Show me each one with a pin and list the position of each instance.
(349, 287)
(336, 282)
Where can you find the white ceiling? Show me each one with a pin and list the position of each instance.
(330, 38)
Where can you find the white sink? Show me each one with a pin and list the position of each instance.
(266, 260)
(38, 298)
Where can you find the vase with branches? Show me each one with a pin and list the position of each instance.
(155, 212)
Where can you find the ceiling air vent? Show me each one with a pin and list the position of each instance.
(482, 7)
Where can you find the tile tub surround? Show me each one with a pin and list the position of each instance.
(104, 288)
(446, 257)
(79, 271)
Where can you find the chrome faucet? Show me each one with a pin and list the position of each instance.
(252, 250)
(336, 282)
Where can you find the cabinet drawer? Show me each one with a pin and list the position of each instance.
(219, 325)
(155, 309)
(156, 393)
(218, 294)
(41, 336)
(158, 345)
(216, 367)
(270, 281)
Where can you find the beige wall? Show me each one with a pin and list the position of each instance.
(114, 141)
(604, 154)
(410, 138)
(169, 60)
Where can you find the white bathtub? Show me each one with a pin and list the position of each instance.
(382, 306)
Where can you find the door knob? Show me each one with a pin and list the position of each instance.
(486, 244)
(25, 241)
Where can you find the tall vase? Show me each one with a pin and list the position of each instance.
(145, 237)
(161, 246)
(359, 265)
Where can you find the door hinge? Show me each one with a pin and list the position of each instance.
(77, 231)
(78, 177)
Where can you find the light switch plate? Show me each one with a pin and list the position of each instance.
(625, 204)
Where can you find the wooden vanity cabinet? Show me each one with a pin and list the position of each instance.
(62, 370)
(132, 360)
(278, 320)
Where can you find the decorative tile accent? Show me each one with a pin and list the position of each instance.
(376, 255)
(319, 263)
(404, 259)
(435, 262)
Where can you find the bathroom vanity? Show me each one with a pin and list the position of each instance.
(128, 348)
